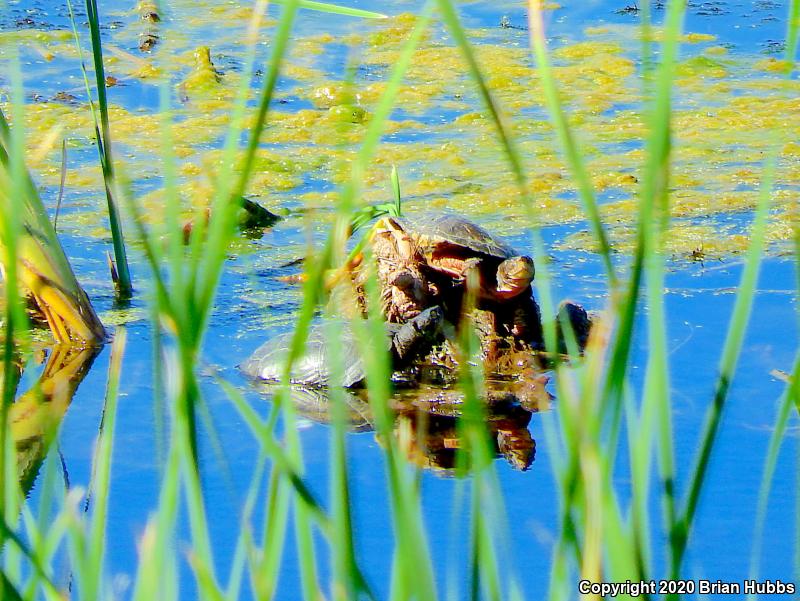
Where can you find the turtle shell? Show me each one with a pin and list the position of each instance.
(312, 368)
(435, 229)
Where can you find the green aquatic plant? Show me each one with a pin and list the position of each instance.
(120, 271)
(186, 301)
(629, 551)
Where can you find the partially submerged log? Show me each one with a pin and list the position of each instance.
(44, 272)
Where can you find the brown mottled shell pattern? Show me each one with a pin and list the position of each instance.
(447, 229)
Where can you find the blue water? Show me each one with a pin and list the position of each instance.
(699, 299)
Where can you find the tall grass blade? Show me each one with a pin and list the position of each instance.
(101, 480)
(264, 576)
(271, 447)
(737, 327)
(654, 217)
(653, 199)
(10, 537)
(12, 179)
(383, 110)
(123, 283)
(790, 397)
(450, 17)
(728, 363)
(396, 191)
(572, 505)
(245, 543)
(226, 201)
(412, 574)
(345, 581)
(567, 139)
(61, 184)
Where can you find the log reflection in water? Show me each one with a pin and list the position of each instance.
(36, 414)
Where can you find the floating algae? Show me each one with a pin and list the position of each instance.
(438, 137)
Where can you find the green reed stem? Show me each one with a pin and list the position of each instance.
(10, 537)
(10, 373)
(245, 544)
(101, 473)
(345, 581)
(567, 139)
(14, 177)
(281, 462)
(797, 511)
(654, 218)
(412, 574)
(123, 285)
(226, 201)
(515, 163)
(653, 201)
(157, 573)
(736, 330)
(790, 398)
(265, 576)
(733, 344)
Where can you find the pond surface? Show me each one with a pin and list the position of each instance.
(728, 94)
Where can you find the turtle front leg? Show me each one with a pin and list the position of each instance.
(418, 335)
(523, 320)
(471, 271)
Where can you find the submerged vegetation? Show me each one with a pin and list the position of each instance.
(652, 145)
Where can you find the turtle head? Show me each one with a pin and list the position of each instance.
(514, 275)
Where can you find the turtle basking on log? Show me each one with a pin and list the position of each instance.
(453, 245)
(444, 251)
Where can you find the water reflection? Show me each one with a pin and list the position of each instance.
(433, 441)
(36, 414)
(427, 418)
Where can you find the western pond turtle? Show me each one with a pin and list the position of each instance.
(312, 368)
(452, 245)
